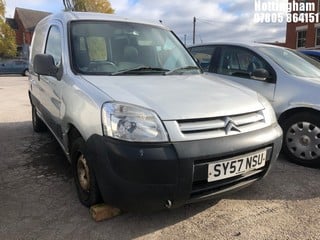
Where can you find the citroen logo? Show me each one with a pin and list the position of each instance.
(230, 125)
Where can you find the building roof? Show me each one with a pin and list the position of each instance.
(12, 23)
(29, 18)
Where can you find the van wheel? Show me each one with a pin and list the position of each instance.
(83, 173)
(37, 123)
(301, 134)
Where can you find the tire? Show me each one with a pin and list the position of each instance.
(25, 72)
(301, 138)
(83, 173)
(37, 124)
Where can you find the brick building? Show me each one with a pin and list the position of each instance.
(304, 35)
(24, 22)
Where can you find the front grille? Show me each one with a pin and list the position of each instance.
(201, 187)
(222, 126)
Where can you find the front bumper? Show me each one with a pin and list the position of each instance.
(144, 176)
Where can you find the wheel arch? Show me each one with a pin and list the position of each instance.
(73, 133)
(30, 97)
(290, 112)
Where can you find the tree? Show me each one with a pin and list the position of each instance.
(2, 8)
(8, 47)
(102, 6)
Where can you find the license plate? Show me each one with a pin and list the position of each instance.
(238, 165)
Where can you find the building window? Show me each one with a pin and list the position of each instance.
(317, 36)
(301, 39)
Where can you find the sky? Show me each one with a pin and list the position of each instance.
(216, 20)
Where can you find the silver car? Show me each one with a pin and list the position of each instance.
(143, 127)
(288, 79)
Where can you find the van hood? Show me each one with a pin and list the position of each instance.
(176, 97)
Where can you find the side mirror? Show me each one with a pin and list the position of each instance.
(260, 74)
(43, 64)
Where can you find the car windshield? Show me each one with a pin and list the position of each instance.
(293, 62)
(122, 48)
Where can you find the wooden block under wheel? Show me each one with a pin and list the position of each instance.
(100, 212)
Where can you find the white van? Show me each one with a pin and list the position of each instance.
(142, 126)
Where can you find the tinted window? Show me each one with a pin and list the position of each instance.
(53, 46)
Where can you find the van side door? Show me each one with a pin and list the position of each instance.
(51, 86)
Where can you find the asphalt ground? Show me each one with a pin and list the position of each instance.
(38, 198)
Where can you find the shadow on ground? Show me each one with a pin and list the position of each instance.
(286, 181)
(34, 166)
(39, 152)
(38, 193)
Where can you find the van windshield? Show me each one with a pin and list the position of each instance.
(122, 48)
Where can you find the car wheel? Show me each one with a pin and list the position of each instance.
(25, 72)
(83, 173)
(37, 124)
(302, 138)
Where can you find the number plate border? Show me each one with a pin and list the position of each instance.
(238, 157)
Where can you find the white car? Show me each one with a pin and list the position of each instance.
(287, 78)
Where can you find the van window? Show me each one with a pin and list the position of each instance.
(53, 46)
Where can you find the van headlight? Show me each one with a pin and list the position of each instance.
(268, 112)
(132, 123)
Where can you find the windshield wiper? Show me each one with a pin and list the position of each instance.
(182, 69)
(140, 69)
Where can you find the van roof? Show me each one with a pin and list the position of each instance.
(71, 16)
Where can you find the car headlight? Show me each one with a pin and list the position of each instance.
(268, 112)
(132, 123)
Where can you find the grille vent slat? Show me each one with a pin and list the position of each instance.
(220, 126)
(202, 125)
